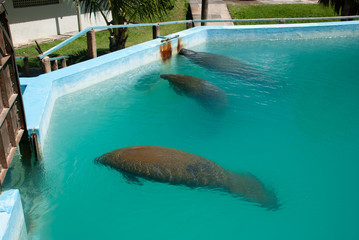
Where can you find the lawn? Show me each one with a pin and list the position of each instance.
(77, 49)
(279, 11)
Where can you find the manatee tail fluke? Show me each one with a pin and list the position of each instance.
(251, 189)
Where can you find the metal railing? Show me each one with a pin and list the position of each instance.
(188, 22)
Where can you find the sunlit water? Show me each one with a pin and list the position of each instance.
(296, 129)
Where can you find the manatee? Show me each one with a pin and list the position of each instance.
(176, 167)
(223, 64)
(204, 92)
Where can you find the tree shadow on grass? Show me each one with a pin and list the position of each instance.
(82, 55)
(35, 66)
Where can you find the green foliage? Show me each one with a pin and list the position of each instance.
(343, 7)
(142, 34)
(77, 49)
(125, 11)
(279, 11)
(129, 10)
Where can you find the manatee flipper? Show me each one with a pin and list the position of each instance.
(177, 90)
(131, 178)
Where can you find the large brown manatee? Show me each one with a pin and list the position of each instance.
(168, 165)
(205, 93)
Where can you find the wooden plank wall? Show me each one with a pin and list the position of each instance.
(12, 116)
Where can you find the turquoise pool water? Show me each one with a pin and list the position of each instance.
(296, 129)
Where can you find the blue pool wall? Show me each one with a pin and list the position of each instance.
(12, 221)
(42, 91)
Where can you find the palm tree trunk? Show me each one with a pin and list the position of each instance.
(346, 8)
(204, 12)
(118, 39)
(118, 36)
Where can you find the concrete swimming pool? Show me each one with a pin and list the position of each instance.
(41, 92)
(289, 130)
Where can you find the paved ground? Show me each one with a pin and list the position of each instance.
(217, 9)
(287, 1)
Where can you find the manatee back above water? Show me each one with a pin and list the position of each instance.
(177, 167)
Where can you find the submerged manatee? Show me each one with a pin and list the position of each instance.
(204, 92)
(177, 167)
(223, 64)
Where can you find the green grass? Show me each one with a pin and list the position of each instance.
(77, 49)
(142, 34)
(279, 11)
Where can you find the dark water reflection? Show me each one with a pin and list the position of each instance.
(27, 175)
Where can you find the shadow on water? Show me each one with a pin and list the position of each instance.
(27, 175)
(147, 82)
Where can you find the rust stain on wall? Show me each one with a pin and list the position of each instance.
(166, 51)
(179, 45)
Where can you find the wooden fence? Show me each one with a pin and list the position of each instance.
(12, 117)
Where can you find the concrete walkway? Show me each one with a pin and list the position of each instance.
(217, 9)
(288, 1)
